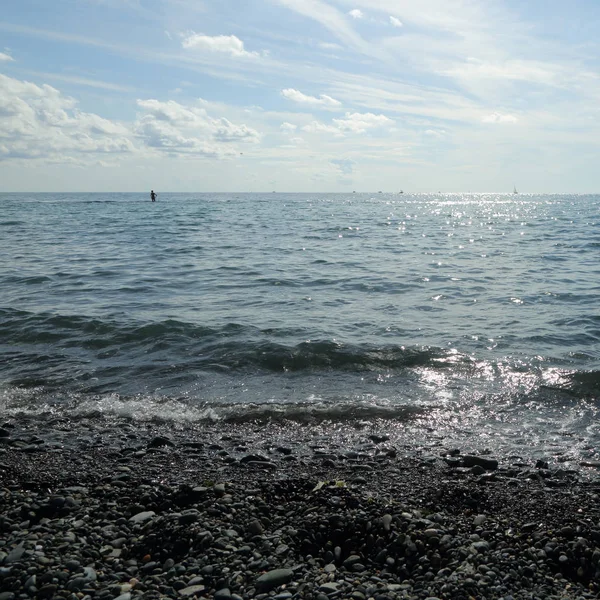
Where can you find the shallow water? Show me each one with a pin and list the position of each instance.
(468, 318)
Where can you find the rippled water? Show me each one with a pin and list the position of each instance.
(469, 318)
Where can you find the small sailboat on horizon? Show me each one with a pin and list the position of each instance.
(515, 189)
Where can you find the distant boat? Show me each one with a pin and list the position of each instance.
(515, 189)
(401, 192)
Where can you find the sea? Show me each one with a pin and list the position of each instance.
(463, 320)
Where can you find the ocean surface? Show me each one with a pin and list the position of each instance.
(461, 319)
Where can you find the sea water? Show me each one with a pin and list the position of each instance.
(471, 319)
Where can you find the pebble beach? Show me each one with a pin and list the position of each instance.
(113, 509)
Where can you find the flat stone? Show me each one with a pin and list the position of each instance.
(253, 458)
(489, 464)
(47, 591)
(142, 516)
(160, 441)
(15, 554)
(378, 439)
(262, 464)
(191, 590)
(273, 579)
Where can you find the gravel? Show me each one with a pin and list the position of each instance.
(105, 510)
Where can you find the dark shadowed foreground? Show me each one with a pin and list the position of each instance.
(103, 510)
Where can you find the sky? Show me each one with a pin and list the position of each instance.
(300, 95)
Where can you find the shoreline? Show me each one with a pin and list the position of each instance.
(142, 510)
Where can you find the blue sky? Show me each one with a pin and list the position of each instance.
(299, 95)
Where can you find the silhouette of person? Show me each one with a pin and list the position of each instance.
(152, 196)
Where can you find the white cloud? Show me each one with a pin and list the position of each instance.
(322, 100)
(351, 123)
(356, 13)
(288, 127)
(318, 127)
(189, 130)
(223, 44)
(395, 22)
(38, 122)
(497, 117)
(361, 122)
(5, 57)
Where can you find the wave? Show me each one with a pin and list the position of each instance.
(37, 404)
(75, 353)
(231, 346)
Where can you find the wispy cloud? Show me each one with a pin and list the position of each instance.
(356, 13)
(5, 57)
(300, 98)
(395, 21)
(333, 20)
(85, 81)
(345, 165)
(497, 117)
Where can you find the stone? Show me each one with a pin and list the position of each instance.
(254, 527)
(489, 464)
(273, 579)
(15, 554)
(351, 561)
(387, 522)
(141, 517)
(191, 590)
(481, 546)
(253, 458)
(47, 591)
(160, 441)
(189, 516)
(378, 439)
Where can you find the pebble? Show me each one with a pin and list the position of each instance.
(151, 530)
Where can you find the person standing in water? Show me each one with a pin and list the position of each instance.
(152, 196)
